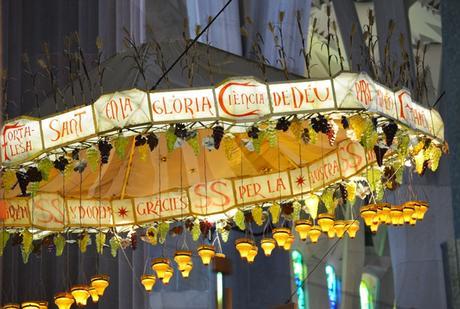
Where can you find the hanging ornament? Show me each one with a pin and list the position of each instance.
(271, 136)
(121, 143)
(44, 166)
(59, 243)
(188, 268)
(332, 132)
(328, 199)
(93, 293)
(206, 253)
(81, 294)
(152, 141)
(170, 138)
(305, 136)
(320, 124)
(314, 233)
(12, 306)
(244, 245)
(27, 245)
(167, 275)
(257, 215)
(92, 155)
(100, 283)
(239, 220)
(352, 228)
(253, 132)
(104, 149)
(340, 228)
(83, 241)
(282, 124)
(143, 151)
(275, 211)
(303, 227)
(229, 145)
(64, 300)
(344, 122)
(163, 229)
(252, 254)
(311, 203)
(217, 135)
(114, 243)
(288, 244)
(30, 305)
(100, 241)
(325, 221)
(297, 207)
(182, 258)
(296, 127)
(351, 191)
(4, 236)
(390, 129)
(268, 244)
(192, 140)
(148, 281)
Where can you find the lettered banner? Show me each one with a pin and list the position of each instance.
(49, 211)
(237, 100)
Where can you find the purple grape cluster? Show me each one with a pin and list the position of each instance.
(390, 129)
(60, 163)
(343, 191)
(104, 148)
(140, 140)
(180, 130)
(320, 124)
(282, 124)
(152, 140)
(217, 134)
(33, 174)
(345, 123)
(253, 132)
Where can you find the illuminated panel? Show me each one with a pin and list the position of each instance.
(332, 287)
(368, 291)
(299, 270)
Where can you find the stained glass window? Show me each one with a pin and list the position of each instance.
(300, 271)
(332, 287)
(368, 289)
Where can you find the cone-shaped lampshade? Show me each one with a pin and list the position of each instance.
(368, 213)
(206, 253)
(268, 244)
(374, 227)
(396, 215)
(160, 265)
(93, 293)
(81, 294)
(302, 227)
(352, 228)
(148, 281)
(252, 254)
(384, 212)
(281, 235)
(182, 258)
(339, 227)
(325, 221)
(331, 233)
(43, 304)
(187, 269)
(11, 306)
(64, 300)
(30, 305)
(167, 275)
(100, 283)
(243, 245)
(288, 244)
(408, 211)
(314, 233)
(422, 210)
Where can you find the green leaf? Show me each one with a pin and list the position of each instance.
(170, 138)
(163, 229)
(3, 241)
(114, 245)
(275, 210)
(120, 143)
(258, 215)
(100, 241)
(45, 166)
(59, 243)
(92, 155)
(240, 220)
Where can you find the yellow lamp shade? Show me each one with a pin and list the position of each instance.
(148, 281)
(100, 283)
(93, 293)
(302, 227)
(64, 300)
(368, 213)
(374, 227)
(325, 221)
(314, 233)
(187, 269)
(243, 245)
(268, 244)
(43, 304)
(352, 228)
(167, 275)
(408, 211)
(331, 233)
(11, 306)
(281, 235)
(384, 212)
(423, 207)
(288, 244)
(160, 265)
(30, 305)
(206, 253)
(413, 221)
(396, 215)
(219, 255)
(340, 227)
(182, 258)
(252, 254)
(81, 294)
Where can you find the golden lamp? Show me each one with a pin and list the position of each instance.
(206, 253)
(148, 281)
(187, 269)
(314, 233)
(43, 304)
(243, 245)
(368, 212)
(281, 235)
(325, 221)
(252, 254)
(268, 244)
(30, 305)
(422, 210)
(81, 294)
(302, 227)
(93, 293)
(167, 275)
(396, 215)
(64, 300)
(340, 227)
(288, 244)
(100, 283)
(11, 306)
(408, 211)
(384, 212)
(331, 233)
(374, 227)
(160, 265)
(182, 258)
(352, 228)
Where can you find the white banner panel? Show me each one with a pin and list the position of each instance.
(121, 109)
(242, 99)
(68, 127)
(352, 157)
(90, 213)
(21, 139)
(300, 180)
(123, 213)
(384, 101)
(291, 97)
(179, 105)
(47, 211)
(344, 89)
(212, 197)
(265, 187)
(17, 213)
(412, 114)
(160, 206)
(324, 171)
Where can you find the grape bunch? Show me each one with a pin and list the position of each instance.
(152, 140)
(104, 148)
(390, 130)
(320, 124)
(76, 154)
(23, 181)
(374, 122)
(331, 134)
(253, 132)
(305, 136)
(33, 174)
(345, 123)
(217, 135)
(140, 140)
(133, 239)
(180, 130)
(282, 124)
(343, 191)
(60, 163)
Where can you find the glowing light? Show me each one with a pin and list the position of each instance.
(332, 287)
(220, 290)
(299, 272)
